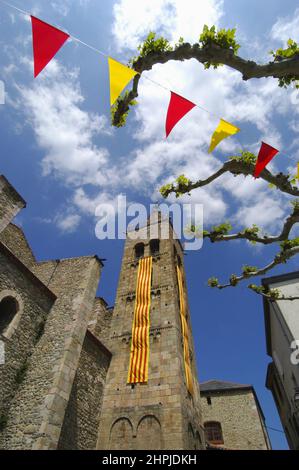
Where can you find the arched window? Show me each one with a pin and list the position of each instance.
(213, 432)
(9, 307)
(139, 250)
(154, 247)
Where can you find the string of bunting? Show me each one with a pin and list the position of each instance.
(47, 40)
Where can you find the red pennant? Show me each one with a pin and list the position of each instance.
(266, 154)
(47, 41)
(178, 107)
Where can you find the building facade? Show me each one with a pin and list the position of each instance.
(282, 339)
(233, 418)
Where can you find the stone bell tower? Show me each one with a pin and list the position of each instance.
(160, 413)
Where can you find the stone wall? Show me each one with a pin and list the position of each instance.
(38, 408)
(10, 203)
(240, 418)
(21, 337)
(14, 238)
(100, 322)
(79, 430)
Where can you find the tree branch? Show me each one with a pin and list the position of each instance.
(252, 236)
(235, 167)
(280, 258)
(217, 54)
(210, 53)
(270, 296)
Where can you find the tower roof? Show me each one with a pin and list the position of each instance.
(218, 385)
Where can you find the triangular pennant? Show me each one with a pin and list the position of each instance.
(47, 41)
(224, 129)
(266, 154)
(120, 75)
(177, 108)
(298, 171)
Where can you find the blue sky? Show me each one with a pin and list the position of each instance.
(59, 151)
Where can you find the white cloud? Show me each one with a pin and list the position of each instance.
(173, 18)
(104, 204)
(63, 8)
(63, 130)
(67, 223)
(87, 204)
(245, 189)
(267, 213)
(286, 28)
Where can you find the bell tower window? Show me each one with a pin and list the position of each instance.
(155, 247)
(139, 250)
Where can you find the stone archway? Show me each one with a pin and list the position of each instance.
(149, 433)
(121, 435)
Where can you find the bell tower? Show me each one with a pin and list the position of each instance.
(161, 409)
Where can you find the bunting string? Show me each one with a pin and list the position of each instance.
(120, 75)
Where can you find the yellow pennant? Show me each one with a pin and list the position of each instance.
(298, 171)
(120, 75)
(224, 129)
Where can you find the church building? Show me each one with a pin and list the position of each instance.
(76, 374)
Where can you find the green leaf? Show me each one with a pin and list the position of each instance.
(154, 44)
(213, 282)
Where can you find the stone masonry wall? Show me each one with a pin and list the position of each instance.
(79, 430)
(239, 417)
(34, 306)
(48, 382)
(14, 238)
(100, 322)
(10, 202)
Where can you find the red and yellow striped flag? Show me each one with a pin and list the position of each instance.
(185, 333)
(138, 369)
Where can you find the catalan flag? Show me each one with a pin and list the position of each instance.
(185, 333)
(139, 356)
